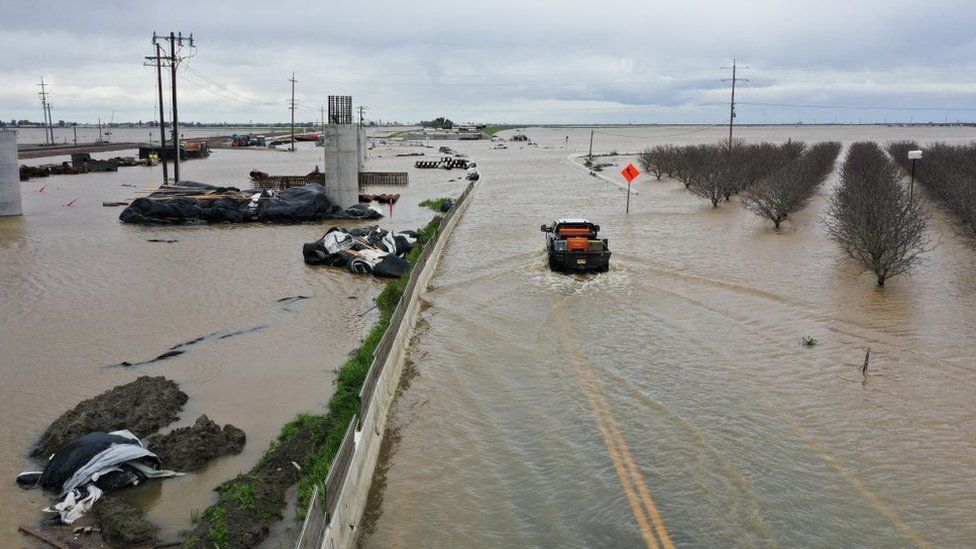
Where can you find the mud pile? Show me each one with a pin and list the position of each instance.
(142, 406)
(187, 448)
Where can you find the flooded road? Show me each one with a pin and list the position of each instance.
(82, 292)
(670, 402)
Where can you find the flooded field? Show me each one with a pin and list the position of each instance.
(669, 402)
(82, 292)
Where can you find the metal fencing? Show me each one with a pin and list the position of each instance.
(313, 530)
(339, 468)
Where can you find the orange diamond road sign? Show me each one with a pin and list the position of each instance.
(630, 173)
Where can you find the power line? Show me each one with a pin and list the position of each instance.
(859, 107)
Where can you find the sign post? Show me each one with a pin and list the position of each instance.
(913, 155)
(630, 173)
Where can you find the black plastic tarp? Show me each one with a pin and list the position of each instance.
(296, 204)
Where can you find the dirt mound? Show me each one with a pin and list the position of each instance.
(187, 448)
(142, 406)
(123, 524)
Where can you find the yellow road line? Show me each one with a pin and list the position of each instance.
(848, 475)
(623, 460)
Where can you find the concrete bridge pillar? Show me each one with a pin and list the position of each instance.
(344, 157)
(9, 174)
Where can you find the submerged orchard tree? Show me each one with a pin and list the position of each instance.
(872, 216)
(651, 161)
(717, 171)
(787, 190)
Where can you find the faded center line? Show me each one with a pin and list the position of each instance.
(623, 460)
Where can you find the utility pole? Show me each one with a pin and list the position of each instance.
(322, 115)
(43, 95)
(591, 146)
(734, 79)
(158, 61)
(361, 109)
(174, 41)
(50, 122)
(292, 80)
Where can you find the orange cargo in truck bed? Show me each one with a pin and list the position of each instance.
(577, 243)
(566, 232)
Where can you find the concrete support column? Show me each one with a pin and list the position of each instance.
(343, 152)
(9, 174)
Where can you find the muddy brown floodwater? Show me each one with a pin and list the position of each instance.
(82, 291)
(669, 402)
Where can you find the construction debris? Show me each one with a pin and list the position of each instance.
(381, 198)
(369, 250)
(261, 180)
(445, 163)
(198, 203)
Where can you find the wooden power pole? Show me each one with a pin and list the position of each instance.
(175, 40)
(158, 61)
(732, 102)
(292, 80)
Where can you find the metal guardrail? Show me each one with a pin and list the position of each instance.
(339, 468)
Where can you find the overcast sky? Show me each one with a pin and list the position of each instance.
(498, 60)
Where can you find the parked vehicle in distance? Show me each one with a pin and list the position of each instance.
(573, 245)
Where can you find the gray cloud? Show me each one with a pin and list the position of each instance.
(541, 61)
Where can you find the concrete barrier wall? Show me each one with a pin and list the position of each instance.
(341, 528)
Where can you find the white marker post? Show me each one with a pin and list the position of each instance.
(913, 155)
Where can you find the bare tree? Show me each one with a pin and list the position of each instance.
(650, 161)
(717, 171)
(709, 178)
(872, 216)
(787, 190)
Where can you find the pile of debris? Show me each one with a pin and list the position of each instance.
(89, 455)
(445, 163)
(368, 250)
(91, 465)
(381, 198)
(198, 203)
(261, 180)
(82, 163)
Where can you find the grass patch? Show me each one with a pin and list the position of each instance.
(495, 128)
(434, 203)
